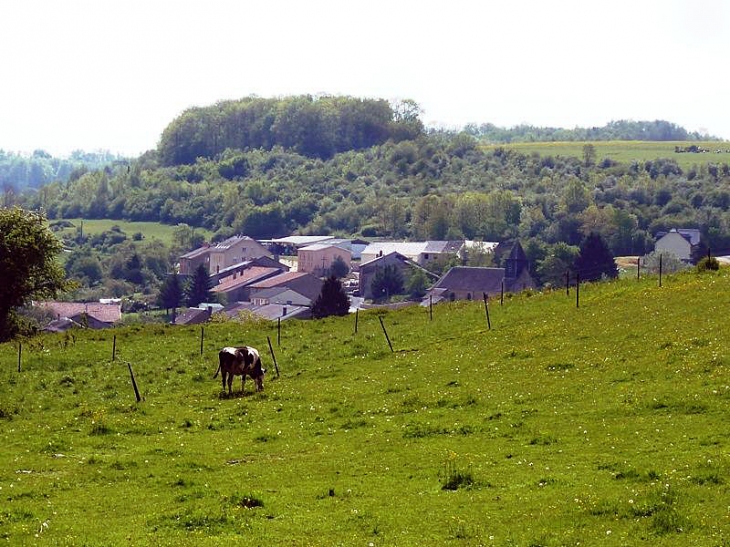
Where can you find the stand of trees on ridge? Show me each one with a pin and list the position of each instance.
(20, 171)
(621, 130)
(344, 166)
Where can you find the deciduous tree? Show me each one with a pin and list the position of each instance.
(28, 266)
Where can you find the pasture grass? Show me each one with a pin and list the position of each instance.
(628, 151)
(150, 230)
(604, 424)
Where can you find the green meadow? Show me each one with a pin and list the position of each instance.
(629, 151)
(150, 230)
(599, 424)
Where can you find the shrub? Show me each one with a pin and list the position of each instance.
(708, 263)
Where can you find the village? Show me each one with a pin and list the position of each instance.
(279, 279)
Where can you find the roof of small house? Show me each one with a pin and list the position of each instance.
(406, 248)
(193, 316)
(448, 247)
(230, 242)
(108, 313)
(276, 311)
(298, 241)
(690, 234)
(282, 295)
(61, 325)
(197, 252)
(246, 277)
(89, 321)
(303, 282)
(472, 279)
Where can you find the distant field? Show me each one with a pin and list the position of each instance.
(150, 230)
(628, 151)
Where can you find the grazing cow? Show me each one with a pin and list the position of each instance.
(240, 361)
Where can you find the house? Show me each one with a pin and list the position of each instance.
(95, 314)
(193, 316)
(422, 253)
(302, 282)
(280, 295)
(273, 312)
(681, 242)
(318, 259)
(369, 269)
(290, 244)
(229, 252)
(61, 325)
(237, 287)
(469, 283)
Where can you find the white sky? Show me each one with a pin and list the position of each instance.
(111, 74)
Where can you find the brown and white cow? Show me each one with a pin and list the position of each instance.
(240, 361)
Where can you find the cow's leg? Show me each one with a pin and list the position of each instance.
(260, 383)
(223, 378)
(243, 382)
(230, 383)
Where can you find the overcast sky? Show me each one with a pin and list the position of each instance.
(111, 74)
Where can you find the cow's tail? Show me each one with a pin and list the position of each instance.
(217, 371)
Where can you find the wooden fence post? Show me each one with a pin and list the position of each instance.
(114, 348)
(134, 383)
(273, 356)
(386, 334)
(486, 309)
(638, 268)
(577, 290)
(430, 307)
(567, 282)
(501, 295)
(660, 270)
(20, 354)
(356, 318)
(278, 332)
(202, 338)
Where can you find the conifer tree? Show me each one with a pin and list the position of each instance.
(199, 289)
(332, 300)
(595, 260)
(171, 293)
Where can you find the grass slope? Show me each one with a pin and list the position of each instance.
(604, 424)
(150, 230)
(628, 151)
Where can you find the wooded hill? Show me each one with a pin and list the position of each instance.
(345, 166)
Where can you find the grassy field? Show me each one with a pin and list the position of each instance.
(628, 151)
(604, 424)
(150, 230)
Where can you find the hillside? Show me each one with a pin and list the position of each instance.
(559, 425)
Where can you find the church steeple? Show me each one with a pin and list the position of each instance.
(516, 263)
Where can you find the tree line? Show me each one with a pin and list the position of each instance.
(21, 171)
(430, 185)
(620, 130)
